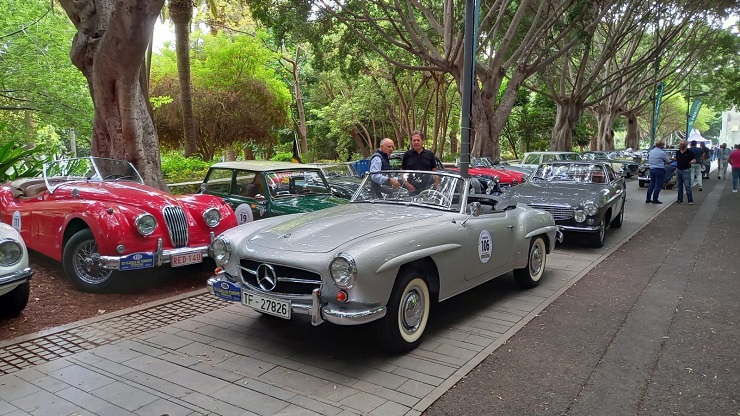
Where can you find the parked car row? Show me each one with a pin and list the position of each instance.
(329, 245)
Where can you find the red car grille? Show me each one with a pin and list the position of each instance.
(177, 225)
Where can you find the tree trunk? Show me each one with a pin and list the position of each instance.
(605, 116)
(109, 47)
(302, 129)
(181, 12)
(633, 133)
(364, 151)
(489, 117)
(568, 114)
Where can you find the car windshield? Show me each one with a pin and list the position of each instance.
(569, 156)
(567, 172)
(479, 162)
(438, 190)
(594, 156)
(340, 170)
(91, 169)
(289, 183)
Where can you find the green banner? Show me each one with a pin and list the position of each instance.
(658, 101)
(695, 107)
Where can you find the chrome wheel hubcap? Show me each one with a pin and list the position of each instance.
(535, 260)
(412, 310)
(85, 268)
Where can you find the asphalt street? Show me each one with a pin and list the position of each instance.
(653, 330)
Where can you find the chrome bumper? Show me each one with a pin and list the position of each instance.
(16, 277)
(580, 229)
(160, 256)
(319, 311)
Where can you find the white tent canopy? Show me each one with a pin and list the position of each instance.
(695, 135)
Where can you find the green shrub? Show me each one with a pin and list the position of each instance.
(178, 168)
(283, 157)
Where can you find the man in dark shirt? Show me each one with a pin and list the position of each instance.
(684, 159)
(419, 158)
(706, 160)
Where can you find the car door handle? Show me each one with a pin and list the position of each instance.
(511, 227)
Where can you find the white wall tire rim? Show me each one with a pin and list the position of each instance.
(537, 259)
(413, 310)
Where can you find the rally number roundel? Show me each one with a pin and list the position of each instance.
(485, 246)
(243, 214)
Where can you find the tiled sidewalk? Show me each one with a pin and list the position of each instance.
(195, 356)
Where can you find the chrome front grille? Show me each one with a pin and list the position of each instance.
(177, 225)
(559, 212)
(278, 279)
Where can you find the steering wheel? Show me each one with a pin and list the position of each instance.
(435, 196)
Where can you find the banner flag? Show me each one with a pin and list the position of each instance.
(695, 107)
(658, 102)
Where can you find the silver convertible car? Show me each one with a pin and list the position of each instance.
(385, 257)
(584, 197)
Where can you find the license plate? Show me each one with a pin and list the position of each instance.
(136, 261)
(185, 259)
(267, 305)
(227, 291)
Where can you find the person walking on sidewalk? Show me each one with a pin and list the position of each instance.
(696, 165)
(706, 160)
(735, 163)
(684, 159)
(657, 159)
(722, 154)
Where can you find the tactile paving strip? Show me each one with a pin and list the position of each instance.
(47, 348)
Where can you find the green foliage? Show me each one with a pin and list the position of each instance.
(17, 161)
(39, 84)
(159, 101)
(237, 96)
(283, 157)
(178, 168)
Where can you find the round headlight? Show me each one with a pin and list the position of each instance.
(212, 217)
(580, 216)
(343, 270)
(590, 208)
(221, 249)
(10, 252)
(146, 224)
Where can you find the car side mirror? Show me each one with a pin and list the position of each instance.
(203, 187)
(259, 198)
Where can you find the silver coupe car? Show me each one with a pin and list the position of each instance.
(385, 257)
(584, 197)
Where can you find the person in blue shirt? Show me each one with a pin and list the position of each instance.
(696, 178)
(657, 159)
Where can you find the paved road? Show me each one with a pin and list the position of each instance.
(191, 356)
(652, 331)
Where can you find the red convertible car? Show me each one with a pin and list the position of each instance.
(97, 217)
(483, 168)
